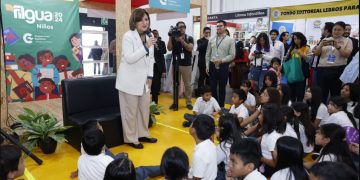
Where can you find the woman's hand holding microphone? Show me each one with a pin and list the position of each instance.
(151, 42)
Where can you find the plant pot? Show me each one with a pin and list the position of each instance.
(48, 146)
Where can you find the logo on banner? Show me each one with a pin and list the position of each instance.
(32, 16)
(28, 39)
(163, 2)
(276, 14)
(282, 29)
(317, 24)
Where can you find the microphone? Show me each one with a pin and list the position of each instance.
(148, 32)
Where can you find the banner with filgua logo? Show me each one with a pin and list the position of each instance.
(42, 47)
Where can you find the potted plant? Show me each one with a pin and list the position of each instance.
(155, 109)
(41, 129)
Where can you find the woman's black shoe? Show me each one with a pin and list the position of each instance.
(147, 139)
(136, 146)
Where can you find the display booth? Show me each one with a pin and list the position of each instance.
(48, 39)
(244, 24)
(310, 18)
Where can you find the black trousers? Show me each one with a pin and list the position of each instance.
(297, 91)
(328, 80)
(218, 80)
(156, 85)
(203, 77)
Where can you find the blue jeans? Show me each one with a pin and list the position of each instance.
(257, 74)
(218, 80)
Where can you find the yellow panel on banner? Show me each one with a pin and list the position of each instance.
(338, 8)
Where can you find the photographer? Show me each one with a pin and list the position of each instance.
(181, 46)
(260, 57)
(333, 52)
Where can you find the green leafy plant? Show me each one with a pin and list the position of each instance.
(38, 127)
(154, 110)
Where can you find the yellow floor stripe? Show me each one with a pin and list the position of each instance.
(28, 175)
(165, 125)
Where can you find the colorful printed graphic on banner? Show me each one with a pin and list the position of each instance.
(283, 27)
(42, 47)
(182, 6)
(329, 9)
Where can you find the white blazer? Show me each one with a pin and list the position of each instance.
(135, 66)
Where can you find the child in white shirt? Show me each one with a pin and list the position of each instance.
(204, 164)
(244, 160)
(238, 107)
(250, 101)
(205, 104)
(338, 113)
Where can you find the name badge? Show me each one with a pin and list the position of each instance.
(331, 58)
(182, 56)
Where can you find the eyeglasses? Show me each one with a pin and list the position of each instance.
(219, 26)
(182, 27)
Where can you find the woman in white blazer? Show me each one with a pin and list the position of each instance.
(134, 79)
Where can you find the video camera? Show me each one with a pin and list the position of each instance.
(174, 32)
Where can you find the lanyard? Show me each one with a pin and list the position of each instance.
(218, 44)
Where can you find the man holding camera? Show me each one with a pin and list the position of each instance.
(181, 46)
(220, 52)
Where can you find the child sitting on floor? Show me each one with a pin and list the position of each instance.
(11, 162)
(205, 104)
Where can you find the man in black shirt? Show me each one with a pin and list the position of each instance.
(201, 47)
(159, 66)
(355, 42)
(181, 46)
(95, 54)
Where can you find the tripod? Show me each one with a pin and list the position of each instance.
(176, 82)
(23, 148)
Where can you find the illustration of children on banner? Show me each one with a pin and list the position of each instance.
(44, 69)
(19, 80)
(77, 52)
(62, 64)
(47, 88)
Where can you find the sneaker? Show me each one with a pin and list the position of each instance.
(186, 124)
(174, 107)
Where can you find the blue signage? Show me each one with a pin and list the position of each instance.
(182, 6)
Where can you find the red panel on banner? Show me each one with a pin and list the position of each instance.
(134, 3)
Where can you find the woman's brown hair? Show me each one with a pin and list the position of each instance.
(136, 16)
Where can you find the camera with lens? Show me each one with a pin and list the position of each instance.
(174, 32)
(258, 54)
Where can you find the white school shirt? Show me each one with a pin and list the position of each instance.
(304, 139)
(350, 109)
(268, 142)
(327, 157)
(223, 153)
(241, 111)
(279, 49)
(204, 162)
(250, 100)
(93, 167)
(206, 107)
(322, 112)
(255, 175)
(290, 131)
(339, 118)
(283, 174)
